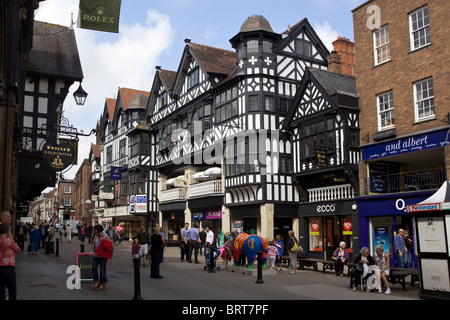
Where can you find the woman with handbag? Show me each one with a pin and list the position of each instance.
(340, 257)
(102, 246)
(293, 247)
(362, 263)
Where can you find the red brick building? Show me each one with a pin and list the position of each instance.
(403, 80)
(82, 192)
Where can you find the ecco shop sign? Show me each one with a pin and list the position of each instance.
(326, 208)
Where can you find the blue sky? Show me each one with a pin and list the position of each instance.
(152, 33)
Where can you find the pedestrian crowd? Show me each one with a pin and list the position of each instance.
(193, 242)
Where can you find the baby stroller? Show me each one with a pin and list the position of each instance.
(210, 259)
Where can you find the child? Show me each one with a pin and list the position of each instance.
(272, 254)
(226, 253)
(8, 250)
(135, 249)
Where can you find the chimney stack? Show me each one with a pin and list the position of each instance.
(346, 63)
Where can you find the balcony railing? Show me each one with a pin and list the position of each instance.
(407, 181)
(176, 194)
(204, 189)
(341, 192)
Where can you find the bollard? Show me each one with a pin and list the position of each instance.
(137, 279)
(57, 248)
(81, 248)
(259, 280)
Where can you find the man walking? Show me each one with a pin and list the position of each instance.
(400, 247)
(143, 239)
(193, 235)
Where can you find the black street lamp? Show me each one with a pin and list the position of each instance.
(80, 96)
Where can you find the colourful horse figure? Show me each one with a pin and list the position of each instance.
(249, 245)
(238, 242)
(252, 246)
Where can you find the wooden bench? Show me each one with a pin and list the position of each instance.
(398, 275)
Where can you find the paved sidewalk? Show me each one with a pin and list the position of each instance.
(44, 277)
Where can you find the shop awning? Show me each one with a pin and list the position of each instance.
(213, 171)
(200, 175)
(438, 201)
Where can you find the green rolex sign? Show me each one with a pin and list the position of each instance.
(100, 15)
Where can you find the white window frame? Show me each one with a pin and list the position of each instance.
(386, 99)
(418, 99)
(382, 44)
(425, 27)
(67, 202)
(67, 189)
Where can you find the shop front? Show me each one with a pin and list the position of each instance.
(245, 218)
(172, 217)
(211, 217)
(324, 225)
(381, 216)
(120, 216)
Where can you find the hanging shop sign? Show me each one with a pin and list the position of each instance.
(100, 15)
(132, 204)
(116, 173)
(61, 156)
(141, 203)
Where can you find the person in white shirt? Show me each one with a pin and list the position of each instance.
(209, 237)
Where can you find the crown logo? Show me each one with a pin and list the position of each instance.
(100, 10)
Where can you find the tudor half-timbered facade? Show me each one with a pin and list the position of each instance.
(119, 151)
(222, 153)
(324, 127)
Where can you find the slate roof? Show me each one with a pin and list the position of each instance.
(168, 78)
(214, 60)
(54, 52)
(334, 82)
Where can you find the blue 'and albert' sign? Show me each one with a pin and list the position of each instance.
(406, 145)
(116, 173)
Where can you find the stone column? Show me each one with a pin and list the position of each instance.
(267, 223)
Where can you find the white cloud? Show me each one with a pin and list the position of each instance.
(126, 59)
(326, 33)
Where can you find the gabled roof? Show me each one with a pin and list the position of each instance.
(110, 105)
(213, 60)
(127, 96)
(327, 84)
(95, 149)
(304, 25)
(167, 78)
(55, 52)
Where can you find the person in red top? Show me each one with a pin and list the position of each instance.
(8, 250)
